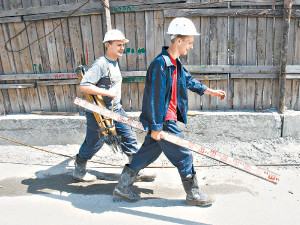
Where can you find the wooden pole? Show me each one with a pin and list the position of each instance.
(107, 14)
(284, 50)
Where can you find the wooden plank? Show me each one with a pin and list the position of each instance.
(239, 58)
(76, 42)
(43, 67)
(14, 19)
(277, 40)
(86, 33)
(141, 40)
(296, 60)
(194, 54)
(36, 61)
(14, 94)
(158, 30)
(7, 67)
(232, 68)
(193, 58)
(293, 76)
(16, 86)
(150, 43)
(98, 35)
(134, 96)
(65, 62)
(55, 76)
(294, 92)
(55, 93)
(167, 37)
(213, 42)
(291, 43)
(222, 39)
(27, 67)
(130, 32)
(251, 60)
(288, 94)
(47, 9)
(57, 82)
(275, 93)
(67, 47)
(254, 76)
(126, 96)
(234, 12)
(293, 68)
(204, 52)
(141, 86)
(223, 85)
(120, 25)
(267, 94)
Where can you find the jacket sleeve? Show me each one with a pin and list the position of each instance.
(155, 94)
(193, 84)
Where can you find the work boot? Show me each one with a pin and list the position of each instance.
(193, 194)
(123, 189)
(142, 175)
(80, 170)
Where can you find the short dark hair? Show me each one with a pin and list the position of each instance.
(178, 36)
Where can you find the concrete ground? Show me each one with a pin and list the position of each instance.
(37, 188)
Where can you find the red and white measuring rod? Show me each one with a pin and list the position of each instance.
(248, 168)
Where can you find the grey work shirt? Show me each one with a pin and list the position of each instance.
(98, 75)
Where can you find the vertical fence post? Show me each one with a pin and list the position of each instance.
(107, 15)
(284, 50)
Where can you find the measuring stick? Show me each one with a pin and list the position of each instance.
(248, 168)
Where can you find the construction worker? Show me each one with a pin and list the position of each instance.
(104, 78)
(165, 102)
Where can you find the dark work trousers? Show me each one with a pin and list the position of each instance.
(94, 139)
(151, 149)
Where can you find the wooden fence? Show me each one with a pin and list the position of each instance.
(238, 51)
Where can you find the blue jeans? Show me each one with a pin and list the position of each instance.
(151, 149)
(94, 139)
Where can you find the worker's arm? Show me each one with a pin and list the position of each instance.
(94, 90)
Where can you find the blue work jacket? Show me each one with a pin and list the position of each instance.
(158, 90)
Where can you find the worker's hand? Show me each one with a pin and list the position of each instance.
(112, 92)
(157, 135)
(216, 93)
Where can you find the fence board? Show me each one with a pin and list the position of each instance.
(150, 43)
(87, 40)
(140, 40)
(131, 45)
(98, 35)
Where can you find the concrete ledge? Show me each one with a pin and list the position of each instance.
(42, 130)
(232, 126)
(291, 124)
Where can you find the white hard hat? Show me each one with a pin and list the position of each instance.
(114, 35)
(182, 26)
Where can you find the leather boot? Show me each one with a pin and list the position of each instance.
(123, 189)
(80, 170)
(142, 175)
(193, 194)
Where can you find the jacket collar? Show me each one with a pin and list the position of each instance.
(167, 58)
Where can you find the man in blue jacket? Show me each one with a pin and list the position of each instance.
(165, 102)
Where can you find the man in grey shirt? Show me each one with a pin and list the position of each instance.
(104, 78)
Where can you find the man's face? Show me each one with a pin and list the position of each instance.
(116, 48)
(185, 44)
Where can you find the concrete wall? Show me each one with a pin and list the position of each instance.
(42, 130)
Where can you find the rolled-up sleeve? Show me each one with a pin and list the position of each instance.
(92, 76)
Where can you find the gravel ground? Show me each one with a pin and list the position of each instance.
(40, 186)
